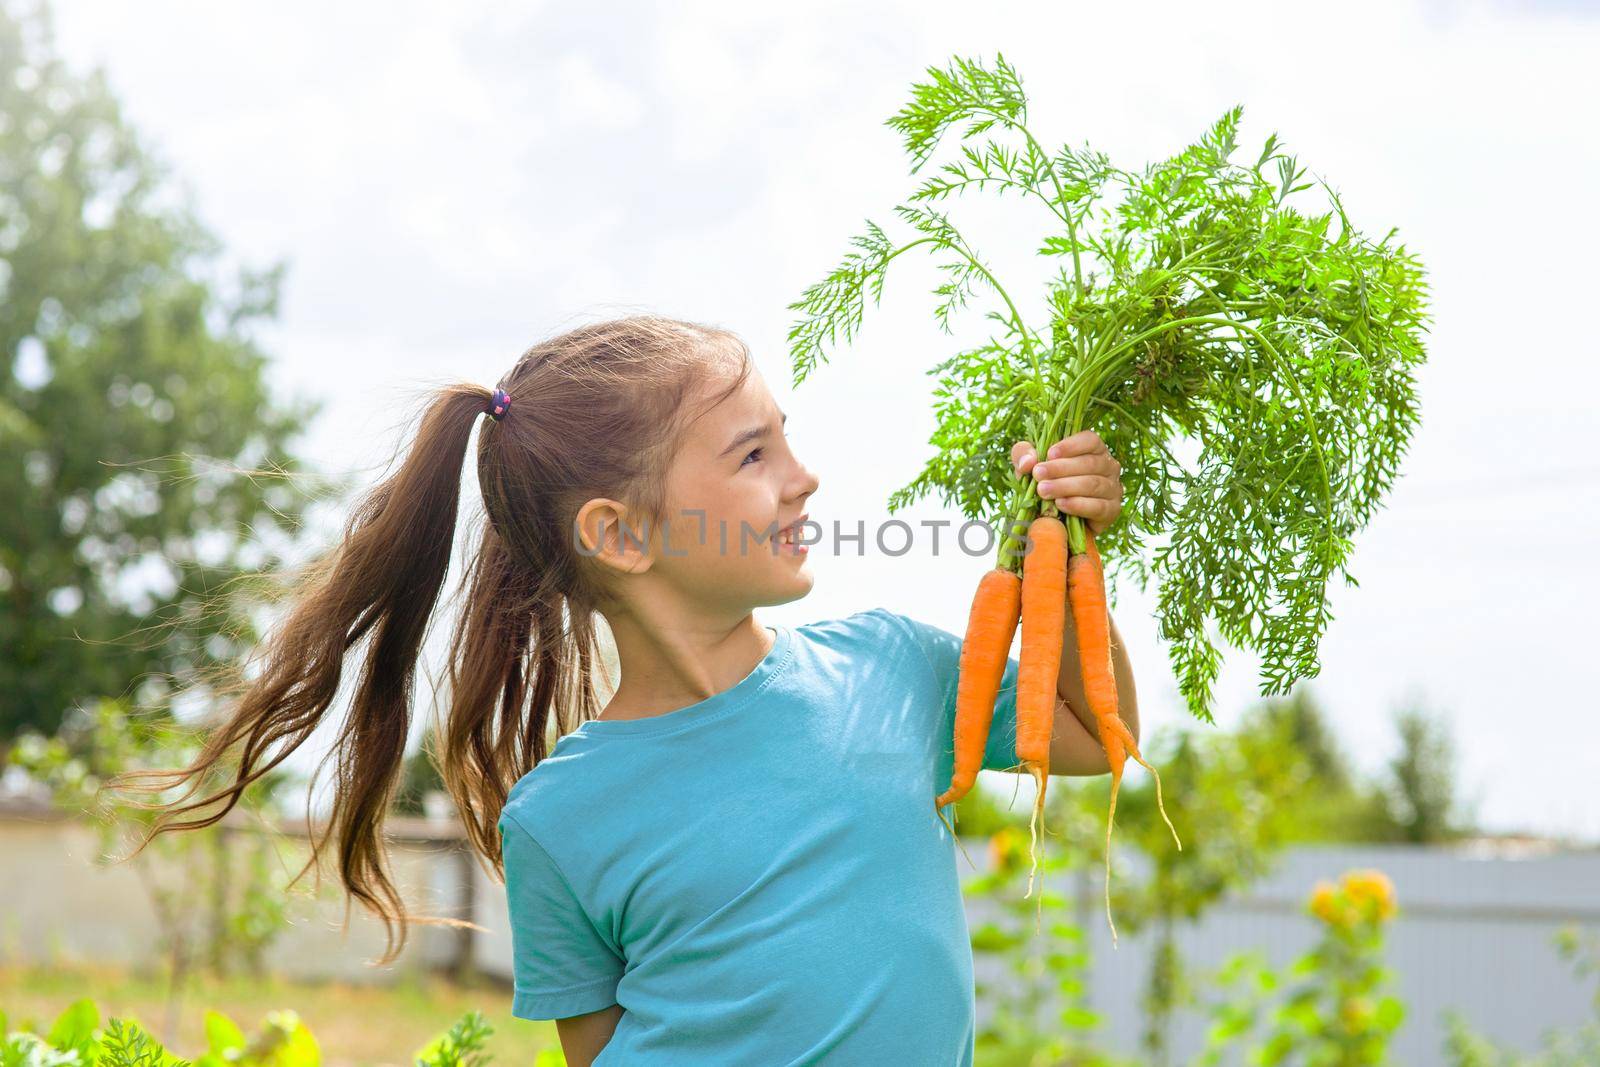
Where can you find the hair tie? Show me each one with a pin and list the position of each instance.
(498, 404)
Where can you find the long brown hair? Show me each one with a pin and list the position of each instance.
(597, 411)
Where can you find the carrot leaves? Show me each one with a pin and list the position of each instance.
(1196, 306)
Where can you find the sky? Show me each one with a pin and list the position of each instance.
(451, 183)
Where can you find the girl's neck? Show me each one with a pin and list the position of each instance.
(667, 666)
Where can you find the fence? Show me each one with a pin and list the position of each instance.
(1474, 932)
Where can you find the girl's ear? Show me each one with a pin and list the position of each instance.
(606, 532)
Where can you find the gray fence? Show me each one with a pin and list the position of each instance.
(1474, 932)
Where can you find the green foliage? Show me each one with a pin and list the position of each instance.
(460, 1046)
(1197, 302)
(419, 777)
(1418, 802)
(141, 429)
(1575, 1047)
(218, 900)
(76, 1040)
(1046, 956)
(1331, 1007)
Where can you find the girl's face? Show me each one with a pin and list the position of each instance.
(732, 488)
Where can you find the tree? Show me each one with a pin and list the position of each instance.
(145, 464)
(1418, 802)
(419, 777)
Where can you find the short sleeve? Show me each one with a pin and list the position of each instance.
(561, 965)
(943, 651)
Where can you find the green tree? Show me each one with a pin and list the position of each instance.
(145, 463)
(1416, 800)
(419, 777)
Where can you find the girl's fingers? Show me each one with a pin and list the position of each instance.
(1023, 457)
(1098, 463)
(1086, 486)
(1084, 442)
(1097, 512)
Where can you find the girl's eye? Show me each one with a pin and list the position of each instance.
(760, 451)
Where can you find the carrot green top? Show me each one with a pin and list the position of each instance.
(760, 877)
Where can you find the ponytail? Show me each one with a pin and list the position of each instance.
(381, 584)
(610, 403)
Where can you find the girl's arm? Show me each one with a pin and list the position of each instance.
(1075, 744)
(583, 1036)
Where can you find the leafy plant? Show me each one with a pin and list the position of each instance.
(215, 903)
(76, 1040)
(1190, 300)
(460, 1046)
(1049, 972)
(1250, 790)
(125, 1045)
(1332, 1007)
(1575, 1047)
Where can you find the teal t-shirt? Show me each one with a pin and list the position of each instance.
(760, 878)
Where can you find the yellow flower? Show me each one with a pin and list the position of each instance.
(1325, 903)
(1372, 892)
(1356, 1014)
(1002, 846)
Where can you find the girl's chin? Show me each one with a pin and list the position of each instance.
(797, 582)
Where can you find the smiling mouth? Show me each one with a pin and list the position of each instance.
(787, 535)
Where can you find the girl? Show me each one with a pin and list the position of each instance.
(734, 860)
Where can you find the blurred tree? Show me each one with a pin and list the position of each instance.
(419, 777)
(146, 463)
(1416, 800)
(1336, 804)
(1298, 720)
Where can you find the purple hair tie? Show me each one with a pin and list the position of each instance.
(498, 404)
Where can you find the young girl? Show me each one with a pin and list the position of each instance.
(735, 860)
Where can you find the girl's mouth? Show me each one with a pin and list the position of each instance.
(788, 539)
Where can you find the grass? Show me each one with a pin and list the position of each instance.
(356, 1025)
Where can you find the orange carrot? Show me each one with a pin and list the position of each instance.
(991, 624)
(1087, 592)
(1044, 619)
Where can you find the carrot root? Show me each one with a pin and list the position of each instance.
(1039, 778)
(954, 836)
(1160, 805)
(1116, 784)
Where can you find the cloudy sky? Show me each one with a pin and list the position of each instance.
(450, 183)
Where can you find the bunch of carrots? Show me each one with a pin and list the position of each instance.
(1052, 577)
(1195, 294)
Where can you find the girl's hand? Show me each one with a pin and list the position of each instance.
(1079, 475)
